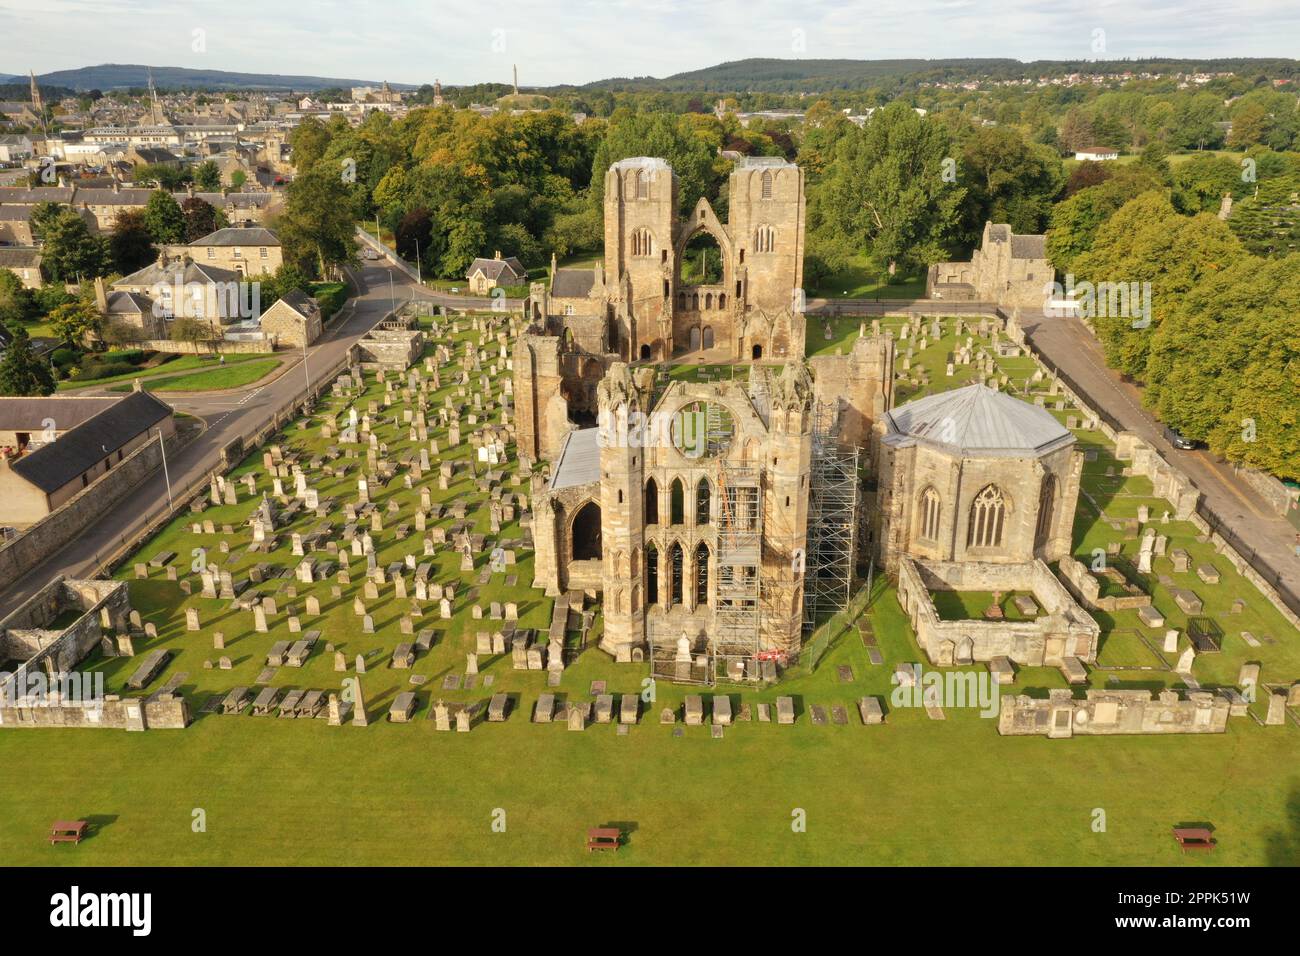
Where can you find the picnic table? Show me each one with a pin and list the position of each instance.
(603, 838)
(1194, 838)
(67, 831)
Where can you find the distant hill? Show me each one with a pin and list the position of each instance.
(114, 76)
(793, 76)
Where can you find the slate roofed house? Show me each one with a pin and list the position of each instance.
(252, 250)
(484, 275)
(25, 263)
(53, 448)
(207, 292)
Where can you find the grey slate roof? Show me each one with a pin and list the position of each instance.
(497, 269)
(20, 194)
(52, 466)
(154, 274)
(28, 414)
(236, 236)
(1028, 247)
(977, 421)
(573, 283)
(19, 257)
(579, 460)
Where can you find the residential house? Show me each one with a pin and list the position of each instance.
(484, 275)
(294, 320)
(248, 251)
(53, 448)
(25, 262)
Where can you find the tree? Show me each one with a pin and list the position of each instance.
(308, 142)
(207, 176)
(17, 303)
(130, 244)
(76, 322)
(21, 372)
(201, 218)
(413, 236)
(1075, 221)
(195, 331)
(672, 138)
(238, 178)
(1201, 182)
(1008, 180)
(71, 251)
(1147, 240)
(885, 190)
(1087, 173)
(317, 225)
(164, 218)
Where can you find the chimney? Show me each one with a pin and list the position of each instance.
(496, 254)
(101, 295)
(117, 183)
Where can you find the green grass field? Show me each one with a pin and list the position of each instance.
(183, 364)
(230, 375)
(913, 791)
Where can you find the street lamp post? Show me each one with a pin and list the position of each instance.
(162, 445)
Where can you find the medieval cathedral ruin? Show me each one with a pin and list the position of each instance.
(718, 515)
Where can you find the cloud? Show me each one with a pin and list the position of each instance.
(414, 41)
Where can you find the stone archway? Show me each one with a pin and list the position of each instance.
(584, 533)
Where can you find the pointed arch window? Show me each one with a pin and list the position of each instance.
(703, 501)
(651, 502)
(767, 185)
(930, 515)
(987, 516)
(702, 575)
(1046, 506)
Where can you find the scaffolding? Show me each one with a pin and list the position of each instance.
(832, 520)
(736, 613)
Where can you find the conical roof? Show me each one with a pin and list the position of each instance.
(977, 421)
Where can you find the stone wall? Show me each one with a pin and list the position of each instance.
(1113, 712)
(1063, 629)
(1087, 589)
(860, 385)
(164, 712)
(223, 347)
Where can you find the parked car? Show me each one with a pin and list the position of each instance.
(1178, 441)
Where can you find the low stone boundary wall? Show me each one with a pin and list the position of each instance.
(1113, 713)
(164, 712)
(222, 347)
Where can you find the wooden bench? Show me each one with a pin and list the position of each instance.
(603, 838)
(67, 831)
(1194, 838)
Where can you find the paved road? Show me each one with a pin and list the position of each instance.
(1068, 344)
(227, 415)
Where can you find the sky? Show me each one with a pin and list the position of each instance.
(577, 41)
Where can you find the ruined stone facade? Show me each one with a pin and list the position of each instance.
(646, 507)
(974, 475)
(1007, 269)
(637, 306)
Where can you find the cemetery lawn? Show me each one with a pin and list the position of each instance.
(913, 791)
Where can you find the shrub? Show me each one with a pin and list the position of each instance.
(131, 356)
(105, 370)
